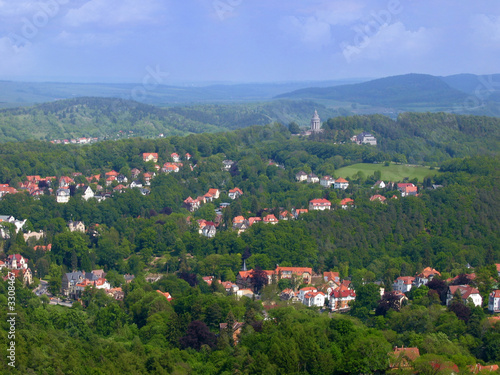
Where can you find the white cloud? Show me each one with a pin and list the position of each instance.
(389, 42)
(308, 30)
(15, 60)
(486, 30)
(113, 12)
(93, 39)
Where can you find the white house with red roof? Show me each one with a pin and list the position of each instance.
(270, 219)
(314, 299)
(169, 168)
(299, 211)
(407, 189)
(214, 192)
(235, 193)
(16, 262)
(150, 156)
(466, 292)
(304, 273)
(425, 276)
(166, 295)
(494, 301)
(340, 298)
(347, 203)
(306, 290)
(209, 230)
(320, 204)
(378, 197)
(341, 183)
(403, 283)
(175, 157)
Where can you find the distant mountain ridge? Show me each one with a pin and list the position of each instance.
(393, 91)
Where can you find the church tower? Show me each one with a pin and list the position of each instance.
(315, 123)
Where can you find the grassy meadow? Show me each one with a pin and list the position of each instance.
(393, 172)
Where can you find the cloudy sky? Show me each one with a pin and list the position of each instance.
(245, 40)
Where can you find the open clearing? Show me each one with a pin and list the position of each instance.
(393, 172)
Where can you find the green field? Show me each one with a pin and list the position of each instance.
(393, 172)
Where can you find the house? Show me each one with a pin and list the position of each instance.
(270, 219)
(284, 215)
(326, 181)
(241, 227)
(169, 168)
(24, 275)
(175, 157)
(379, 185)
(43, 248)
(346, 203)
(340, 298)
(378, 198)
(230, 287)
(340, 183)
(88, 193)
(425, 276)
(314, 299)
(136, 184)
(134, 173)
(407, 189)
(300, 211)
(253, 220)
(16, 262)
(403, 284)
(244, 293)
(36, 235)
(119, 188)
(150, 156)
(331, 276)
(148, 177)
(187, 156)
(302, 292)
(209, 229)
(301, 176)
(19, 224)
(227, 164)
(287, 294)
(76, 226)
(215, 193)
(494, 301)
(402, 358)
(191, 204)
(166, 295)
(319, 204)
(312, 178)
(366, 138)
(465, 292)
(65, 181)
(69, 281)
(235, 193)
(122, 179)
(62, 195)
(303, 273)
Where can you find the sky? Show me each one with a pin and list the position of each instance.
(240, 41)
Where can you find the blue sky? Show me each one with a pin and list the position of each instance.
(245, 40)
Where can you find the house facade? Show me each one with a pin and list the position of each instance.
(320, 204)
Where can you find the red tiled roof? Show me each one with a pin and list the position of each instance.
(341, 180)
(320, 201)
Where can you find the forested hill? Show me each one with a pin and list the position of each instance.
(105, 118)
(421, 137)
(398, 92)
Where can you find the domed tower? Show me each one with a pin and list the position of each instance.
(315, 123)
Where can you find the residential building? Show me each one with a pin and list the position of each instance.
(378, 198)
(175, 157)
(403, 284)
(76, 226)
(62, 195)
(341, 183)
(302, 292)
(16, 262)
(209, 229)
(379, 185)
(235, 193)
(312, 178)
(270, 219)
(227, 164)
(366, 138)
(425, 276)
(346, 203)
(303, 273)
(407, 189)
(314, 299)
(465, 292)
(326, 181)
(494, 301)
(319, 204)
(301, 176)
(88, 193)
(340, 299)
(403, 358)
(150, 156)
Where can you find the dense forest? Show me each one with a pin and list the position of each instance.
(450, 228)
